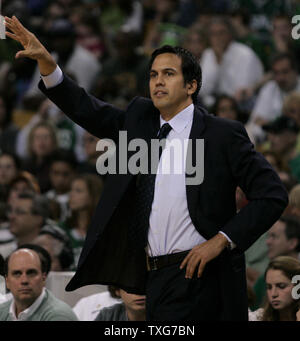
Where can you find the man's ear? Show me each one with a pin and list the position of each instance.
(44, 276)
(192, 87)
(293, 242)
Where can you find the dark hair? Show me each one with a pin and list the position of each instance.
(292, 228)
(14, 157)
(191, 68)
(285, 55)
(43, 254)
(113, 291)
(94, 186)
(63, 155)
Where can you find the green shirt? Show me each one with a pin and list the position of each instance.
(50, 309)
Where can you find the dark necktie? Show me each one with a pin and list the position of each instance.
(144, 198)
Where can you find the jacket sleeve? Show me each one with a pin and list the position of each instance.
(99, 118)
(262, 186)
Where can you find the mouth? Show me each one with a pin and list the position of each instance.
(160, 93)
(25, 291)
(141, 301)
(275, 303)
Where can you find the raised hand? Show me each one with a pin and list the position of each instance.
(33, 48)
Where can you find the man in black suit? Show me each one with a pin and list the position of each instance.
(194, 266)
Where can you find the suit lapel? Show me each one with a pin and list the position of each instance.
(197, 132)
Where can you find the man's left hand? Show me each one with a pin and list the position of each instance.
(201, 254)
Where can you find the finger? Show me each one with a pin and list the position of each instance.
(19, 25)
(201, 269)
(186, 259)
(22, 54)
(11, 35)
(191, 266)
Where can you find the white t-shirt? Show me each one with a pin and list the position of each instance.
(87, 308)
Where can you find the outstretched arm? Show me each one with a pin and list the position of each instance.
(33, 48)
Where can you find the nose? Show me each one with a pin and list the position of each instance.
(24, 279)
(274, 292)
(159, 80)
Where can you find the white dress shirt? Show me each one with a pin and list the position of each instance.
(25, 314)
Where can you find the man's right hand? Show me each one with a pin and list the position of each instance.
(32, 46)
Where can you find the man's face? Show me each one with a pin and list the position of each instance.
(61, 174)
(277, 242)
(7, 169)
(25, 279)
(22, 221)
(167, 89)
(50, 244)
(284, 75)
(219, 36)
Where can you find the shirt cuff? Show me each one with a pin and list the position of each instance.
(55, 78)
(231, 243)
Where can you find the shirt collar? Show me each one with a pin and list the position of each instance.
(181, 120)
(25, 314)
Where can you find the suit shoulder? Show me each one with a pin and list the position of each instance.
(223, 125)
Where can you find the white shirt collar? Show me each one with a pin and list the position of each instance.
(25, 314)
(181, 120)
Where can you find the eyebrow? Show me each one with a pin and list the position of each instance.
(166, 69)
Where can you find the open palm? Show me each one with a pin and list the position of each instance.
(32, 47)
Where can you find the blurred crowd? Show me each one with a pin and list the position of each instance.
(49, 186)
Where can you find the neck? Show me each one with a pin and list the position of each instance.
(28, 238)
(82, 222)
(168, 114)
(21, 306)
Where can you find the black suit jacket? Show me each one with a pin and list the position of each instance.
(229, 161)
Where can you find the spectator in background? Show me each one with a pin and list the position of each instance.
(165, 28)
(280, 305)
(282, 136)
(62, 170)
(9, 169)
(90, 149)
(84, 195)
(8, 130)
(283, 239)
(125, 74)
(87, 308)
(25, 275)
(26, 216)
(42, 142)
(224, 60)
(195, 40)
(291, 107)
(24, 182)
(132, 308)
(55, 240)
(269, 102)
(240, 20)
(281, 39)
(294, 201)
(227, 107)
(71, 56)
